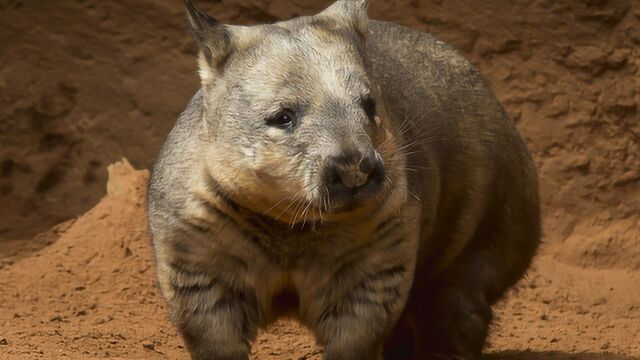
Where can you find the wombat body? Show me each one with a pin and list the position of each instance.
(355, 174)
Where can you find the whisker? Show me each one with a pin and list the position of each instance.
(414, 195)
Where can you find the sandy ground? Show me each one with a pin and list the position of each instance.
(84, 83)
(92, 294)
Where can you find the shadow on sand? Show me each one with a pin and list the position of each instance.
(553, 355)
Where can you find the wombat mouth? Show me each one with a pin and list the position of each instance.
(351, 197)
(315, 216)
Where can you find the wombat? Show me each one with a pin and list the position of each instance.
(354, 174)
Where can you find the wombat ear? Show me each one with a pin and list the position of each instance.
(351, 13)
(212, 36)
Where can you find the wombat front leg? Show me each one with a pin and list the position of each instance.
(356, 314)
(216, 321)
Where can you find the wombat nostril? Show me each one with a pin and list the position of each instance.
(367, 164)
(333, 176)
(377, 173)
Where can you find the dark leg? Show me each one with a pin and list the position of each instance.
(449, 315)
(400, 344)
(455, 325)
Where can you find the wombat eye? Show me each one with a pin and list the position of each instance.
(284, 119)
(369, 107)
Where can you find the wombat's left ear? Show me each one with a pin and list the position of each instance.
(212, 36)
(351, 13)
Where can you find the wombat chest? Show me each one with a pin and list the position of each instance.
(288, 245)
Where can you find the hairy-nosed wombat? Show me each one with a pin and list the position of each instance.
(355, 174)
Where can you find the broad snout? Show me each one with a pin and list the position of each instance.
(353, 176)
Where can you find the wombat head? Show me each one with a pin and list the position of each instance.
(297, 126)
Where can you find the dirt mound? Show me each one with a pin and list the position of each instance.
(92, 293)
(616, 245)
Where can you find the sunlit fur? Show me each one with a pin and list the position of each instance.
(322, 75)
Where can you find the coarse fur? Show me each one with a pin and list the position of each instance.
(246, 227)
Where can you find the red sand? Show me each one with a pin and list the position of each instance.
(93, 293)
(83, 83)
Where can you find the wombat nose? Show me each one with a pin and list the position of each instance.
(354, 176)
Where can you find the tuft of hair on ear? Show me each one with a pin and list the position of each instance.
(351, 13)
(213, 39)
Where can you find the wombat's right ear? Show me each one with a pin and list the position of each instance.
(351, 13)
(212, 37)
